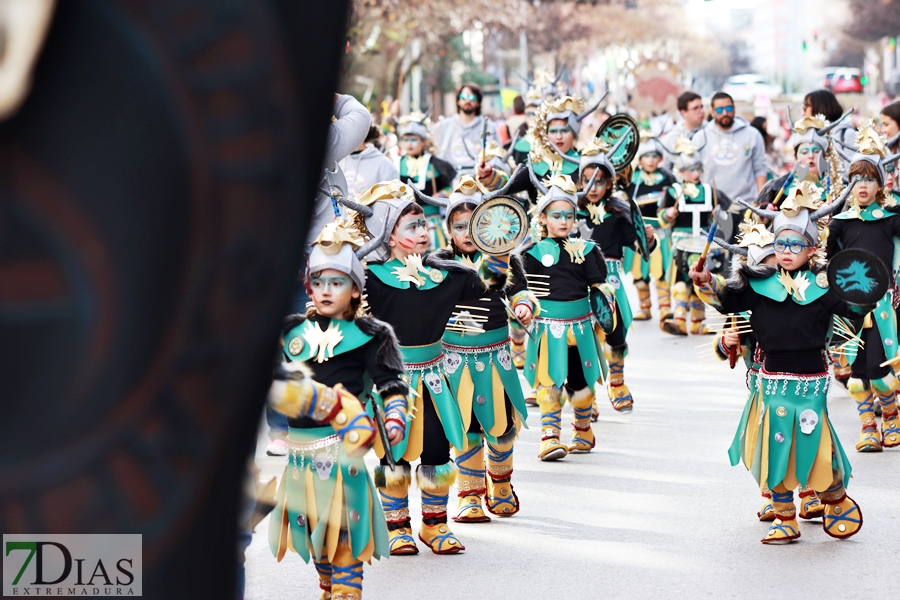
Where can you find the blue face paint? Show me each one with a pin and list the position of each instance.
(561, 216)
(334, 283)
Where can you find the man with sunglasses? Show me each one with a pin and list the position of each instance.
(734, 155)
(458, 138)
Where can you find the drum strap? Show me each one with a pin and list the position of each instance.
(695, 208)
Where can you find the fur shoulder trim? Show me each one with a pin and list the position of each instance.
(434, 262)
(443, 254)
(388, 355)
(292, 321)
(741, 272)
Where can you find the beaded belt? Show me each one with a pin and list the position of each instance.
(475, 349)
(323, 452)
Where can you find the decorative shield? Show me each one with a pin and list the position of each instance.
(498, 225)
(613, 129)
(857, 276)
(637, 219)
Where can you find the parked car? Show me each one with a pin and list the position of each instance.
(827, 75)
(847, 81)
(746, 88)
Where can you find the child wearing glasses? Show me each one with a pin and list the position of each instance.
(686, 211)
(867, 225)
(607, 222)
(648, 187)
(428, 174)
(791, 442)
(568, 275)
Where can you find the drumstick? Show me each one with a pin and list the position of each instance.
(784, 187)
(709, 238)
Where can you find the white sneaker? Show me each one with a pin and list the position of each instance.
(277, 448)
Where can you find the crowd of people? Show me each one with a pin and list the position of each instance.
(409, 331)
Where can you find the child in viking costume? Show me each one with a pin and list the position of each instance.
(569, 277)
(648, 186)
(685, 210)
(478, 364)
(428, 174)
(867, 225)
(417, 294)
(814, 162)
(737, 340)
(790, 441)
(327, 506)
(607, 222)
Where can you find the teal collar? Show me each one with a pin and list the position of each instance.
(397, 275)
(547, 250)
(873, 212)
(542, 168)
(805, 287)
(308, 341)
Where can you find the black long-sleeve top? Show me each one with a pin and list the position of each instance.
(491, 298)
(792, 336)
(875, 236)
(419, 316)
(567, 280)
(349, 368)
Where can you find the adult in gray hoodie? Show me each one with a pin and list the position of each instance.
(367, 165)
(345, 134)
(690, 106)
(735, 153)
(458, 138)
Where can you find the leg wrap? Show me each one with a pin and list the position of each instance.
(346, 581)
(864, 395)
(393, 488)
(517, 344)
(582, 436)
(664, 294)
(471, 467)
(643, 292)
(323, 568)
(619, 394)
(434, 483)
(548, 398)
(501, 499)
(698, 314)
(784, 529)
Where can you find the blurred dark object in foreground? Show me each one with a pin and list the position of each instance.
(154, 192)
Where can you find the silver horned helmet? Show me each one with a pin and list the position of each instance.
(804, 221)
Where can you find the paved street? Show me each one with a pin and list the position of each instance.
(655, 511)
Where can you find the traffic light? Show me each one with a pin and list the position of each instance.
(803, 46)
(864, 80)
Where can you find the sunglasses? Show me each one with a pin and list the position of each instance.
(724, 109)
(469, 97)
(795, 247)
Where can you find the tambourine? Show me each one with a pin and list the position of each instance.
(498, 225)
(614, 128)
(858, 277)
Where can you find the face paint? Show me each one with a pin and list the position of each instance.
(332, 292)
(558, 216)
(410, 235)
